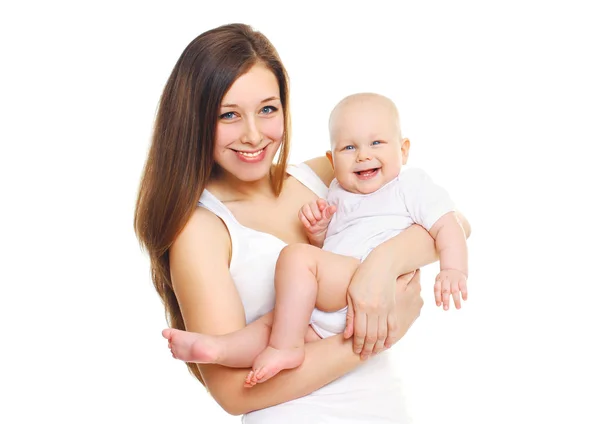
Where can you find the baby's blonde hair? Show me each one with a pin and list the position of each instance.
(361, 98)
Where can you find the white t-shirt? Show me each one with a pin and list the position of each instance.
(364, 221)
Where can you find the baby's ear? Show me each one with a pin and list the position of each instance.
(330, 157)
(405, 147)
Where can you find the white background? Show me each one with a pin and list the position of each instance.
(501, 102)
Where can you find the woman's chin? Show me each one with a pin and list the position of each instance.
(248, 169)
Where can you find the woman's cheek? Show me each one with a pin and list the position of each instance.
(225, 135)
(273, 128)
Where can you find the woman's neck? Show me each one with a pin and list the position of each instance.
(229, 188)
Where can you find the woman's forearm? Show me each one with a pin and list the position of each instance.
(325, 361)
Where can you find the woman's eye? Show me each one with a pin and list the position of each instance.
(227, 115)
(268, 109)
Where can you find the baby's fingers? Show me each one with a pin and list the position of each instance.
(304, 221)
(329, 211)
(308, 214)
(456, 294)
(446, 293)
(437, 291)
(316, 212)
(463, 289)
(322, 204)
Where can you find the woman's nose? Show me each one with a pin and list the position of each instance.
(251, 133)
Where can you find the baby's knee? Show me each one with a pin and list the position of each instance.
(296, 254)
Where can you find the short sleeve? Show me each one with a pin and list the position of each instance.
(425, 200)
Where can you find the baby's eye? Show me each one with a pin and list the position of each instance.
(376, 142)
(348, 147)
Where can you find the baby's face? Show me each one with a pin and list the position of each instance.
(367, 148)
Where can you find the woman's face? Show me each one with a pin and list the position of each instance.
(250, 125)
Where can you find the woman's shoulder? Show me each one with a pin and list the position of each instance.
(322, 167)
(203, 228)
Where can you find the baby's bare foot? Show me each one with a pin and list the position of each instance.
(193, 347)
(271, 361)
(250, 380)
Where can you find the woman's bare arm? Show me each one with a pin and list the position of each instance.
(409, 250)
(210, 304)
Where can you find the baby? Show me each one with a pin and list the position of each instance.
(369, 201)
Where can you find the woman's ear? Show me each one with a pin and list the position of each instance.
(330, 157)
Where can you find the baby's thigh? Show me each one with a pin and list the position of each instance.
(333, 273)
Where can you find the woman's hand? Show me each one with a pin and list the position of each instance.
(374, 316)
(408, 303)
(371, 316)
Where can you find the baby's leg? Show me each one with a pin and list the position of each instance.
(236, 350)
(305, 277)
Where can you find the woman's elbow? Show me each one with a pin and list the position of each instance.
(228, 403)
(235, 410)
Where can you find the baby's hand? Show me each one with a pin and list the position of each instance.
(450, 281)
(315, 216)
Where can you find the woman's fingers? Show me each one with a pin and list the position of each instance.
(393, 331)
(371, 335)
(382, 334)
(349, 331)
(360, 331)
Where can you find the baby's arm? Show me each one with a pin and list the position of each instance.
(315, 217)
(451, 245)
(430, 205)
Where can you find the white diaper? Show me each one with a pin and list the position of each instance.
(327, 324)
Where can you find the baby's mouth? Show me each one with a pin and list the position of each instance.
(367, 173)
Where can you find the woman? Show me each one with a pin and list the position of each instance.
(223, 117)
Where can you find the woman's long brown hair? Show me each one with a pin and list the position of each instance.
(180, 161)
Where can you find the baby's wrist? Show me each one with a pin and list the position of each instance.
(464, 272)
(316, 239)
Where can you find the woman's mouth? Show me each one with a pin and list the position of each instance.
(367, 174)
(255, 156)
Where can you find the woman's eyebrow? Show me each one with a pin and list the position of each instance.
(268, 99)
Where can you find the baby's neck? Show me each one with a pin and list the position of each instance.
(377, 188)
